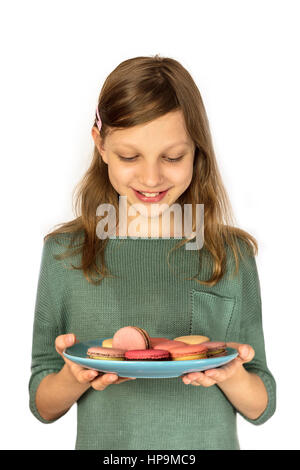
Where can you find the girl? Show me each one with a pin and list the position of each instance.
(151, 135)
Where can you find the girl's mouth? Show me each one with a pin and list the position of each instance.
(147, 197)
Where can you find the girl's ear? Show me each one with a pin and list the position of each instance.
(98, 143)
(96, 136)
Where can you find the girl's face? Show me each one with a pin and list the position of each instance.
(153, 157)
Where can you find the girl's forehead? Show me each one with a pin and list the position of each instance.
(139, 141)
(167, 145)
(169, 128)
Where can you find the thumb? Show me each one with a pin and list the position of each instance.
(64, 341)
(246, 352)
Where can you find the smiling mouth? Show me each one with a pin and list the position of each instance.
(151, 193)
(150, 196)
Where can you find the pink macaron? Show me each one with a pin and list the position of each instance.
(188, 352)
(156, 340)
(168, 345)
(131, 337)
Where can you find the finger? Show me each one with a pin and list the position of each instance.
(108, 379)
(124, 379)
(64, 341)
(188, 378)
(246, 353)
(86, 375)
(102, 381)
(204, 381)
(223, 373)
(220, 374)
(198, 378)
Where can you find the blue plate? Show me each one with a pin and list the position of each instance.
(144, 369)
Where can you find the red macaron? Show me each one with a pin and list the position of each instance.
(147, 355)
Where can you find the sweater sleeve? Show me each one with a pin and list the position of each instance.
(252, 334)
(45, 360)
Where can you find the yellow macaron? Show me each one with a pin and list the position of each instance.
(192, 339)
(107, 343)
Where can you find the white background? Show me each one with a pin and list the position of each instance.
(244, 57)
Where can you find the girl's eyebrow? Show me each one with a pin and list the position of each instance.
(124, 144)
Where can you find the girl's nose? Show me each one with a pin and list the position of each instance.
(151, 176)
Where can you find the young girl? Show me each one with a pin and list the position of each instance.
(151, 135)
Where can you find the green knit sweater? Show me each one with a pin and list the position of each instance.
(148, 414)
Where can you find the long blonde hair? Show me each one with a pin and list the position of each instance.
(137, 91)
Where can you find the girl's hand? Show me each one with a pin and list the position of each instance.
(98, 380)
(221, 374)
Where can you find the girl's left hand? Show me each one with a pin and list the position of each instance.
(214, 376)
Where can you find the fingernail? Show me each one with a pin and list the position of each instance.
(112, 379)
(187, 381)
(246, 350)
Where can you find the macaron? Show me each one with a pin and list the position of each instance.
(215, 348)
(107, 354)
(168, 344)
(188, 352)
(107, 343)
(192, 339)
(131, 337)
(156, 340)
(147, 355)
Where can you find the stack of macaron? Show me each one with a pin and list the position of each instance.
(132, 343)
(214, 348)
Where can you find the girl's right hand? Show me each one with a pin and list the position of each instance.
(98, 380)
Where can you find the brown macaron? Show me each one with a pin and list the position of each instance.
(215, 348)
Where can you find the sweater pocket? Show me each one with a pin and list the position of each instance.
(214, 316)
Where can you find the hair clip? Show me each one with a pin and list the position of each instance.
(98, 120)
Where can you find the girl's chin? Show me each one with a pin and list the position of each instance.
(147, 215)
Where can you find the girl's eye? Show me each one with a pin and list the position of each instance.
(175, 159)
(130, 159)
(127, 158)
